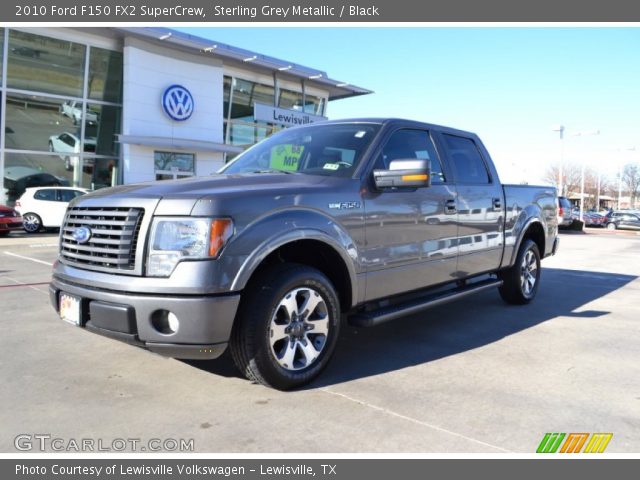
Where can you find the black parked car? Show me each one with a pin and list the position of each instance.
(623, 220)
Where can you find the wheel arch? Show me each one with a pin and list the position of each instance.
(306, 247)
(533, 230)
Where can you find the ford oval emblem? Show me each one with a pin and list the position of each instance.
(177, 103)
(81, 234)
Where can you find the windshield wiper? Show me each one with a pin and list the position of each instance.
(274, 170)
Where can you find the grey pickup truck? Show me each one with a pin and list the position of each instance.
(360, 221)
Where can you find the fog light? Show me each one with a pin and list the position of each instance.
(173, 322)
(165, 322)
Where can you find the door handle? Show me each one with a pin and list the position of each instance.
(450, 206)
(497, 204)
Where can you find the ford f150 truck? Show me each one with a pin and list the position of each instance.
(362, 220)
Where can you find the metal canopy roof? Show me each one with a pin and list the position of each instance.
(284, 69)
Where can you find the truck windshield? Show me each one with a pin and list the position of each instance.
(332, 150)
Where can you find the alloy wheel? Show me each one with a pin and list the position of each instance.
(299, 328)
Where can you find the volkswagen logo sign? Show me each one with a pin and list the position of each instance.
(177, 103)
(81, 234)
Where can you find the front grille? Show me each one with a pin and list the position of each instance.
(114, 237)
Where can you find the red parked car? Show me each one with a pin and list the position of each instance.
(9, 220)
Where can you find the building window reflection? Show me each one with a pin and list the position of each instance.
(105, 75)
(239, 98)
(45, 64)
(57, 132)
(174, 165)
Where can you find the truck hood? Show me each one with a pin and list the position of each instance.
(198, 187)
(189, 196)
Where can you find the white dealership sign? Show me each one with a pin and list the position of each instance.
(283, 116)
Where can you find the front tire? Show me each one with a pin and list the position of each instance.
(287, 326)
(611, 226)
(521, 281)
(31, 222)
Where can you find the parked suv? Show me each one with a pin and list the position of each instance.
(623, 220)
(44, 207)
(565, 219)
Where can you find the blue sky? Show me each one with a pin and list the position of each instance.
(510, 85)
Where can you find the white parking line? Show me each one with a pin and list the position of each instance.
(414, 420)
(28, 258)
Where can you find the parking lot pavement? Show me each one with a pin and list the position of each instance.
(473, 376)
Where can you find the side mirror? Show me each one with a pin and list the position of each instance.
(404, 173)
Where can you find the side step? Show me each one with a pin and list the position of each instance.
(376, 317)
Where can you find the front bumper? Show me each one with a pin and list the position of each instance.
(11, 224)
(205, 320)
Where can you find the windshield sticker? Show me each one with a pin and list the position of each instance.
(360, 134)
(331, 166)
(286, 157)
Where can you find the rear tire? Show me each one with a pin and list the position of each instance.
(287, 326)
(520, 282)
(31, 222)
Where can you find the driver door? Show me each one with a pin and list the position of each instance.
(411, 233)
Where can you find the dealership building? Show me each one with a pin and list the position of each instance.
(96, 107)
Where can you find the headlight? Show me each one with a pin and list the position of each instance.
(175, 239)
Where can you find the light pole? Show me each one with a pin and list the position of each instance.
(583, 134)
(560, 129)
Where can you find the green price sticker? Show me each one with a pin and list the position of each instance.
(286, 157)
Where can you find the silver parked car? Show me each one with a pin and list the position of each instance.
(564, 212)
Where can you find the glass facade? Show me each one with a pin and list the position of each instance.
(174, 165)
(240, 96)
(45, 64)
(61, 113)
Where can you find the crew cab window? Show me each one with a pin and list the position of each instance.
(410, 144)
(466, 160)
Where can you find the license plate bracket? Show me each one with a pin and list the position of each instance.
(70, 308)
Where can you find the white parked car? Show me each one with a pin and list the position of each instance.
(44, 207)
(73, 110)
(69, 145)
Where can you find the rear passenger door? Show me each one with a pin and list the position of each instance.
(630, 220)
(480, 204)
(45, 203)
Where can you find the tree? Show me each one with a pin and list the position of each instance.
(631, 179)
(571, 174)
(572, 179)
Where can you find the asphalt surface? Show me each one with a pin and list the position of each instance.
(473, 376)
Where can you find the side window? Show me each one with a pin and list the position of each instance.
(68, 139)
(466, 160)
(407, 144)
(45, 194)
(68, 195)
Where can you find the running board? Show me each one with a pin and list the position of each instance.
(376, 317)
